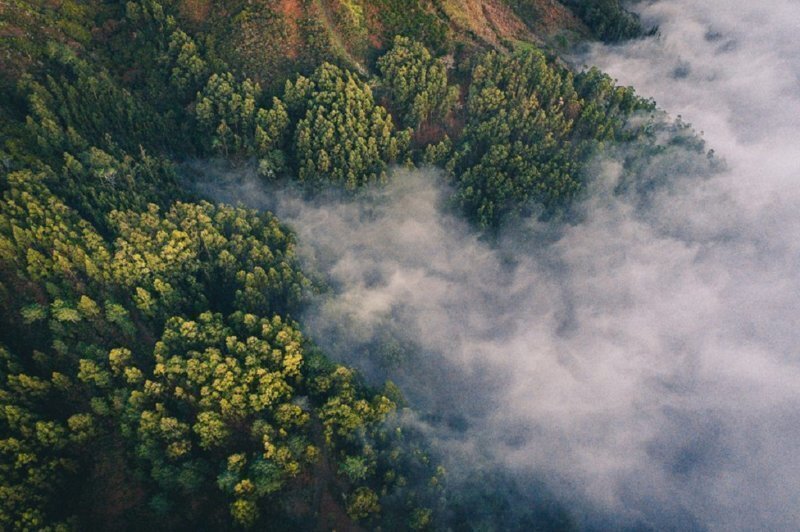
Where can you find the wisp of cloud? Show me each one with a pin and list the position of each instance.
(644, 362)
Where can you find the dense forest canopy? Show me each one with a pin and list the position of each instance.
(153, 366)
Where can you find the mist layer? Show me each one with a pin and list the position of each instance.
(644, 361)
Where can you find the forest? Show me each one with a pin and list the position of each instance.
(154, 369)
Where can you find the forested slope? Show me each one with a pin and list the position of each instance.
(153, 367)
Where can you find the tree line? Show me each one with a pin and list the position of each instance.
(153, 366)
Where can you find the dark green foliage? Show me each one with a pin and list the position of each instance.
(38, 452)
(94, 183)
(394, 481)
(44, 244)
(416, 83)
(417, 19)
(82, 106)
(151, 373)
(51, 261)
(343, 137)
(228, 113)
(495, 500)
(607, 19)
(163, 64)
(229, 414)
(188, 68)
(530, 127)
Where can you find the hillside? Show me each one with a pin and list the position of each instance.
(158, 362)
(261, 38)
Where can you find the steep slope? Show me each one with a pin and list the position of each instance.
(151, 360)
(269, 39)
(502, 23)
(264, 35)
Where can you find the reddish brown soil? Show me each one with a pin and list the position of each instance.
(195, 11)
(292, 12)
(376, 30)
(505, 23)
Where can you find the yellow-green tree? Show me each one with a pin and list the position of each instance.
(218, 411)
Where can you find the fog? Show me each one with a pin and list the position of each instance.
(726, 295)
(644, 362)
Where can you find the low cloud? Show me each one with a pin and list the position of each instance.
(643, 363)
